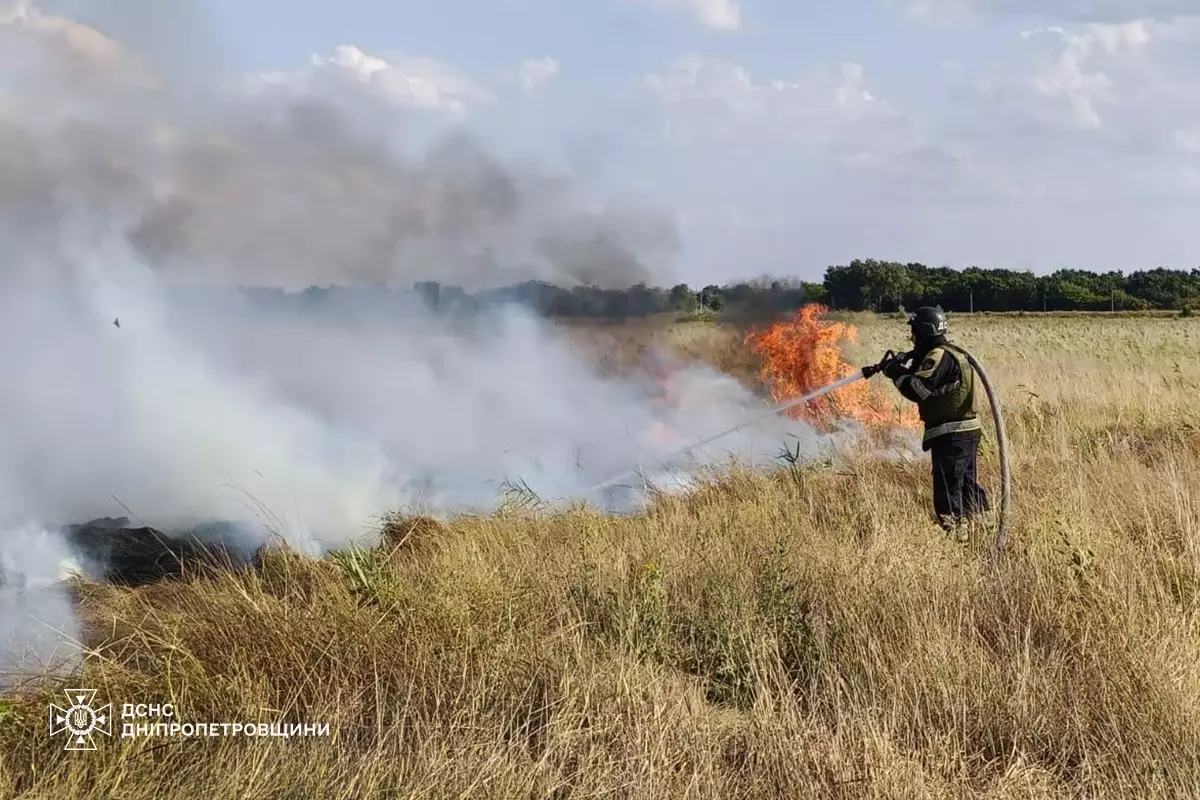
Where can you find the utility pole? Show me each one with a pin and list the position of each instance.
(972, 292)
(1112, 305)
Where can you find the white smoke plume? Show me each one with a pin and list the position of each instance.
(126, 390)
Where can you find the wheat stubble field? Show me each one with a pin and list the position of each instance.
(804, 634)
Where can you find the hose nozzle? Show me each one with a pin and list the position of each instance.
(871, 370)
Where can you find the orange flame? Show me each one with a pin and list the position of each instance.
(802, 353)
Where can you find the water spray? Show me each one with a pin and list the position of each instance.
(764, 414)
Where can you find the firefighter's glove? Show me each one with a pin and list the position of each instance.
(894, 369)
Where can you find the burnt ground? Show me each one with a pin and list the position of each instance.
(139, 555)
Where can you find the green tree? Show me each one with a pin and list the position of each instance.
(682, 298)
(712, 298)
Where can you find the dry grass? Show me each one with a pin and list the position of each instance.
(719, 345)
(807, 634)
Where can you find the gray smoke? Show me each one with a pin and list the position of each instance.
(256, 186)
(128, 392)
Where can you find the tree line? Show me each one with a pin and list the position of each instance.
(887, 286)
(861, 285)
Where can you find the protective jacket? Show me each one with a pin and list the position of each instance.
(942, 384)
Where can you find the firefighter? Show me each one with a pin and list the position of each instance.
(941, 382)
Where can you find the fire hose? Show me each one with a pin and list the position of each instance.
(997, 421)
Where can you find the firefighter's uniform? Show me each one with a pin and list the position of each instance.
(942, 384)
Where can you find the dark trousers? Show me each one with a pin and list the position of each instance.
(957, 494)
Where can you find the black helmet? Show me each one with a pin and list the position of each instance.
(928, 323)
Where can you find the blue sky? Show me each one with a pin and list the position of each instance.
(785, 136)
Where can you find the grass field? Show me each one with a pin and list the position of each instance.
(805, 634)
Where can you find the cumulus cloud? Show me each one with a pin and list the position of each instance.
(1127, 88)
(821, 149)
(1081, 136)
(1088, 125)
(829, 110)
(1076, 75)
(412, 82)
(417, 82)
(718, 15)
(1066, 95)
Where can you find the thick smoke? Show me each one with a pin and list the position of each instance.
(128, 392)
(265, 186)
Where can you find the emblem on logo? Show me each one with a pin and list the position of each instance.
(80, 720)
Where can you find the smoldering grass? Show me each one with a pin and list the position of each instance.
(517, 494)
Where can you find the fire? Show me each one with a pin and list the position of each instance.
(803, 353)
(659, 373)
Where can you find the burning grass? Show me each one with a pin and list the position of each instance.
(803, 352)
(806, 634)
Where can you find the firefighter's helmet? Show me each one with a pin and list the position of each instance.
(928, 323)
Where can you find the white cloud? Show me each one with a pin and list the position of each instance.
(718, 15)
(1092, 116)
(1130, 84)
(534, 73)
(1077, 76)
(1073, 143)
(847, 170)
(826, 109)
(415, 82)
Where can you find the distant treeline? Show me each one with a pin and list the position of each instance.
(862, 285)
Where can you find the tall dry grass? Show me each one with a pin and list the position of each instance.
(805, 634)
